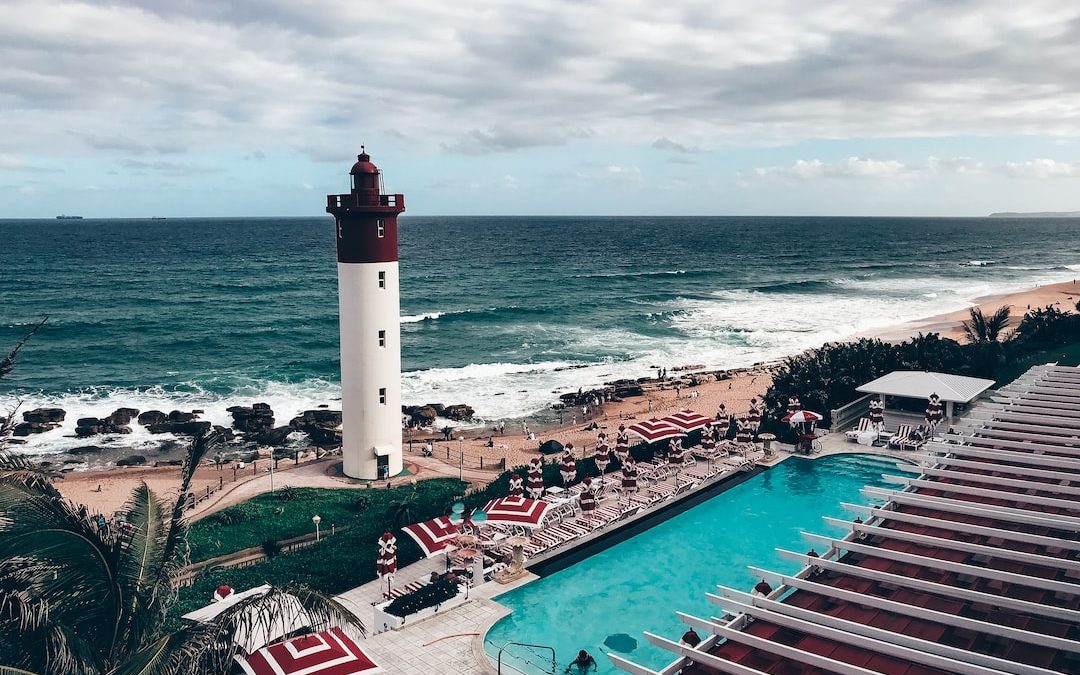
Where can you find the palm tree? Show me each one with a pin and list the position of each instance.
(79, 599)
(981, 329)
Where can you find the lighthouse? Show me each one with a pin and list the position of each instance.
(369, 309)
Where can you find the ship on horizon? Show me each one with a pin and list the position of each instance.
(66, 217)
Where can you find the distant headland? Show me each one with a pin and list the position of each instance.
(1036, 214)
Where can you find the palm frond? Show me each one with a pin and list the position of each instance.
(11, 670)
(8, 363)
(139, 568)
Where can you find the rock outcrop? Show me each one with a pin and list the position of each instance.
(39, 421)
(133, 460)
(152, 417)
(259, 418)
(321, 426)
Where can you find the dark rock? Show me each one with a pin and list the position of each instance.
(73, 461)
(16, 441)
(27, 428)
(185, 428)
(85, 430)
(45, 463)
(86, 450)
(458, 412)
(226, 433)
(323, 437)
(44, 415)
(133, 460)
(259, 418)
(122, 416)
(274, 436)
(180, 416)
(172, 446)
(88, 422)
(326, 418)
(170, 462)
(152, 417)
(437, 407)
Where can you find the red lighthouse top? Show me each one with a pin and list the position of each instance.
(366, 218)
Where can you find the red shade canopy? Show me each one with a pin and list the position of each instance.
(330, 652)
(686, 420)
(802, 416)
(516, 511)
(655, 430)
(433, 535)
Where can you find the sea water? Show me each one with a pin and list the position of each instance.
(502, 313)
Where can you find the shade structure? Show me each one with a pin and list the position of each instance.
(708, 443)
(330, 652)
(630, 475)
(935, 411)
(568, 467)
(535, 482)
(745, 432)
(686, 420)
(800, 416)
(602, 457)
(386, 562)
(433, 536)
(655, 430)
(516, 511)
(587, 499)
(753, 416)
(517, 486)
(876, 414)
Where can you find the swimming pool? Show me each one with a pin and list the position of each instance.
(638, 584)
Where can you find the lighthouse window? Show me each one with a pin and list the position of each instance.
(382, 395)
(382, 338)
(382, 279)
(381, 226)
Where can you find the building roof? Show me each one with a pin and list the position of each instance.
(920, 384)
(972, 568)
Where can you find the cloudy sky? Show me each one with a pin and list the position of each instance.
(204, 107)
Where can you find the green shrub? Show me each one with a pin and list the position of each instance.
(426, 596)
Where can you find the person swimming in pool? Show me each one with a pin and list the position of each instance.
(584, 662)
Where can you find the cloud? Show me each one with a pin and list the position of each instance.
(1042, 168)
(853, 167)
(864, 168)
(666, 143)
(141, 167)
(126, 144)
(612, 174)
(503, 139)
(16, 163)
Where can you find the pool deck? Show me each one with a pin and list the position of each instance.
(451, 642)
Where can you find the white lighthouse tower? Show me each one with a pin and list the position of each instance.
(367, 248)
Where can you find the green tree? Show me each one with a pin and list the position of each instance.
(80, 599)
(982, 329)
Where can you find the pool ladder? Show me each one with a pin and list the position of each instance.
(499, 664)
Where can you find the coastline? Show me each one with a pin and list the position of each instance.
(735, 391)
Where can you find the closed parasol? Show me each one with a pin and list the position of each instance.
(568, 465)
(630, 475)
(622, 443)
(517, 486)
(536, 478)
(587, 499)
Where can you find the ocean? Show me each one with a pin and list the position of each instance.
(502, 313)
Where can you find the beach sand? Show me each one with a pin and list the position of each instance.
(735, 392)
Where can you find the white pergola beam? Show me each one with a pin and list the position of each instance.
(1015, 497)
(1056, 462)
(932, 587)
(957, 526)
(955, 545)
(1030, 446)
(1023, 516)
(1059, 476)
(1039, 486)
(707, 659)
(947, 565)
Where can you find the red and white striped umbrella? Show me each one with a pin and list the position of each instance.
(686, 420)
(602, 457)
(745, 433)
(793, 404)
(753, 416)
(630, 475)
(655, 430)
(517, 486)
(587, 497)
(386, 562)
(935, 412)
(676, 455)
(568, 465)
(536, 478)
(800, 416)
(433, 536)
(330, 652)
(708, 442)
(622, 444)
(516, 511)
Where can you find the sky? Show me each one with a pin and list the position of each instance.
(144, 108)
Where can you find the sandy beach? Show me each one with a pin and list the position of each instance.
(735, 392)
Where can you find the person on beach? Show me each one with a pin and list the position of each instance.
(502, 427)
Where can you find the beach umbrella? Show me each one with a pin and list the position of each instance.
(587, 498)
(722, 423)
(744, 433)
(221, 592)
(686, 420)
(433, 536)
(753, 416)
(629, 475)
(622, 444)
(517, 486)
(801, 416)
(536, 478)
(935, 412)
(877, 414)
(386, 561)
(330, 652)
(550, 447)
(602, 457)
(708, 443)
(516, 511)
(655, 430)
(793, 404)
(676, 454)
(568, 465)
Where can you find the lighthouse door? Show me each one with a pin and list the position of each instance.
(384, 465)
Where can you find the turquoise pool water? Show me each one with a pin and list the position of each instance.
(638, 584)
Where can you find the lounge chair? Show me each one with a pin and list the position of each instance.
(915, 440)
(864, 426)
(902, 432)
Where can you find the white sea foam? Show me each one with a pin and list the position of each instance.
(417, 318)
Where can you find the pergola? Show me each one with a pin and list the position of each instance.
(920, 384)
